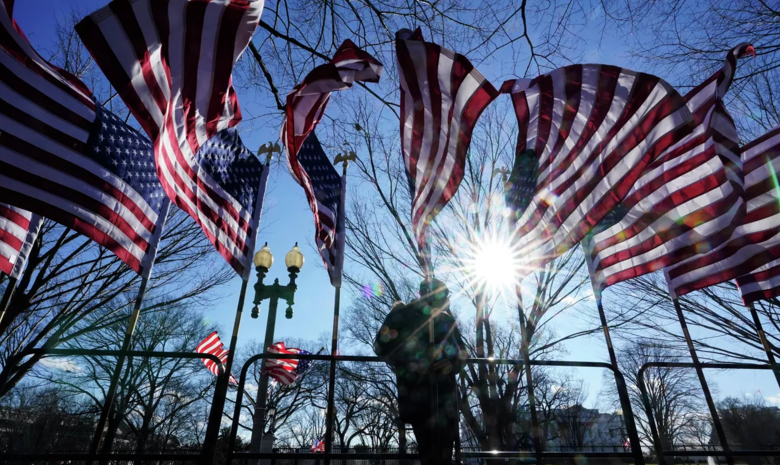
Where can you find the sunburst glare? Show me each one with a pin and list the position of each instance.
(493, 263)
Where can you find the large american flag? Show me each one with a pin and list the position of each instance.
(328, 190)
(442, 96)
(66, 158)
(18, 231)
(213, 345)
(686, 202)
(172, 62)
(752, 254)
(594, 128)
(285, 370)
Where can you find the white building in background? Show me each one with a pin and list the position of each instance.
(567, 429)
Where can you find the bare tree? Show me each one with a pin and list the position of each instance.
(687, 40)
(724, 328)
(156, 397)
(574, 422)
(749, 423)
(673, 394)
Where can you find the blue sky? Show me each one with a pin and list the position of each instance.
(287, 218)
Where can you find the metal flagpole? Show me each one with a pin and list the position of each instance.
(220, 391)
(625, 403)
(765, 342)
(334, 342)
(529, 382)
(36, 221)
(5, 303)
(112, 388)
(703, 381)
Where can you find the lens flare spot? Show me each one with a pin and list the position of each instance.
(374, 290)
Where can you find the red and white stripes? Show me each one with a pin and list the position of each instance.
(171, 61)
(213, 345)
(303, 112)
(18, 231)
(687, 202)
(46, 116)
(595, 128)
(752, 254)
(442, 96)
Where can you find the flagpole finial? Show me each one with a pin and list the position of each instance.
(269, 149)
(345, 157)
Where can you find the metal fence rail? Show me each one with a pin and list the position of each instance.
(710, 451)
(551, 454)
(69, 457)
(634, 456)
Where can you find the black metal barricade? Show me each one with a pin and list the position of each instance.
(713, 451)
(67, 457)
(556, 457)
(635, 455)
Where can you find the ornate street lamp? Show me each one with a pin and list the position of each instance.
(263, 261)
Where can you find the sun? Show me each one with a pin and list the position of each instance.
(493, 263)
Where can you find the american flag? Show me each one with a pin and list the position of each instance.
(307, 101)
(305, 158)
(18, 231)
(752, 254)
(686, 202)
(285, 370)
(213, 345)
(328, 192)
(66, 158)
(172, 64)
(317, 446)
(521, 185)
(442, 96)
(593, 128)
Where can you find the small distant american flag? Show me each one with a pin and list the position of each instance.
(213, 345)
(286, 370)
(318, 446)
(172, 65)
(328, 192)
(66, 158)
(18, 231)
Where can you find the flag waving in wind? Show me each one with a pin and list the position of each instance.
(752, 254)
(172, 64)
(442, 96)
(327, 189)
(213, 345)
(65, 158)
(687, 201)
(593, 129)
(285, 370)
(307, 101)
(306, 160)
(18, 231)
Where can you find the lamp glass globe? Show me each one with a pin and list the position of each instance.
(264, 258)
(294, 258)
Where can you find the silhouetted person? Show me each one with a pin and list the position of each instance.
(427, 399)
